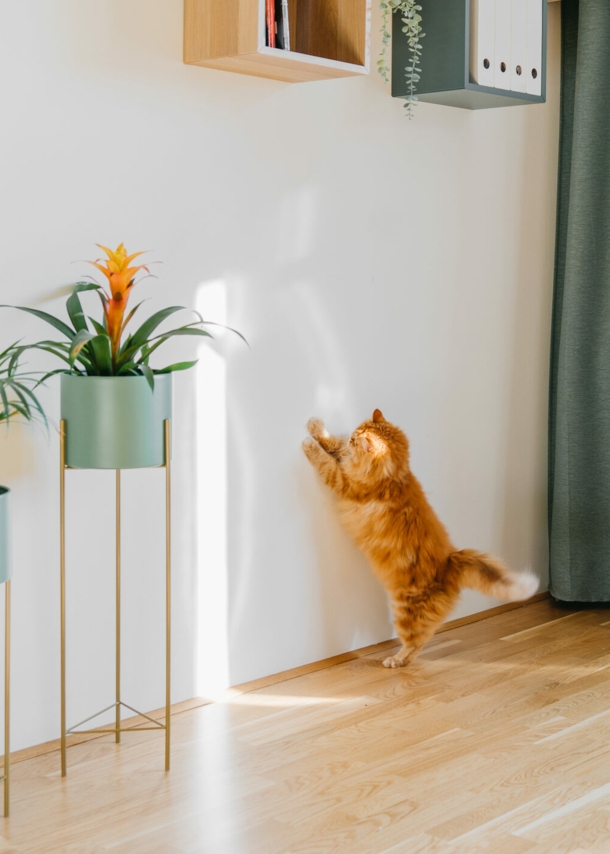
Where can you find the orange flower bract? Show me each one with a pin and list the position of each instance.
(120, 275)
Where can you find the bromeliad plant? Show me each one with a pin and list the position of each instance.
(411, 21)
(105, 348)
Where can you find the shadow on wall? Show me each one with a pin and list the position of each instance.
(352, 602)
(280, 574)
(348, 592)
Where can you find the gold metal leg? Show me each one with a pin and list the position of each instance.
(62, 565)
(118, 606)
(7, 693)
(168, 590)
(62, 539)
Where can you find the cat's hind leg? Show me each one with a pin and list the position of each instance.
(400, 659)
(416, 619)
(414, 625)
(409, 651)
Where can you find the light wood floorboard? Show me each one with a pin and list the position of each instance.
(497, 739)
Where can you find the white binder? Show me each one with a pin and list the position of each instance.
(502, 44)
(534, 47)
(482, 41)
(518, 46)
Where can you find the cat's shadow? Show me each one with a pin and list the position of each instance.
(354, 610)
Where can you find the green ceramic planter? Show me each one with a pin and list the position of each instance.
(5, 543)
(115, 422)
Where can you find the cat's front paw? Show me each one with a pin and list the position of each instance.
(311, 447)
(394, 661)
(315, 428)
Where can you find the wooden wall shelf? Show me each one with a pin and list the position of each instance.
(331, 38)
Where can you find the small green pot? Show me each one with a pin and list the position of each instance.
(115, 422)
(5, 543)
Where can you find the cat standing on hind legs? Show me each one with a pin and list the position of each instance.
(383, 506)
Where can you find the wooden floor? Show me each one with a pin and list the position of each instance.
(496, 740)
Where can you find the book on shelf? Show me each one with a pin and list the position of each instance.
(270, 7)
(278, 25)
(282, 23)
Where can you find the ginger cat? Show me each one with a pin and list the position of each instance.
(383, 506)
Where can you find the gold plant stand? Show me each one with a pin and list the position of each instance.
(6, 777)
(117, 729)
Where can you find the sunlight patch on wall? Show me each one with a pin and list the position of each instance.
(212, 675)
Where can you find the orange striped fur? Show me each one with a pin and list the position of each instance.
(383, 506)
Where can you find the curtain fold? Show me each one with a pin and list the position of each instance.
(579, 408)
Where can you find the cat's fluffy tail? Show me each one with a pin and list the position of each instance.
(488, 575)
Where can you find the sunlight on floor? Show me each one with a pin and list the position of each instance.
(278, 700)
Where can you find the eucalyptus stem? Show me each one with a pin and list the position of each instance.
(411, 20)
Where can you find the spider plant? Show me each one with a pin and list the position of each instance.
(17, 397)
(91, 347)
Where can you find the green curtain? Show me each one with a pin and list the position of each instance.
(579, 424)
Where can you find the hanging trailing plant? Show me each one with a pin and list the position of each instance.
(411, 20)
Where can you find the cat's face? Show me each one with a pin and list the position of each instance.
(377, 445)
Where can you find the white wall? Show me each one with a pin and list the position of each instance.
(371, 262)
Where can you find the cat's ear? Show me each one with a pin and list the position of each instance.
(378, 415)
